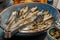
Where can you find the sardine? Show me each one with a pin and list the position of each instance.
(23, 11)
(11, 17)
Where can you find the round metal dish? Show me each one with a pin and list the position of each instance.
(5, 14)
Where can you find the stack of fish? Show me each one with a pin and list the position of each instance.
(40, 20)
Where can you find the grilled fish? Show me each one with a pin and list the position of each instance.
(31, 11)
(23, 12)
(13, 16)
(14, 13)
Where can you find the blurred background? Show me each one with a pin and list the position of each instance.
(5, 3)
